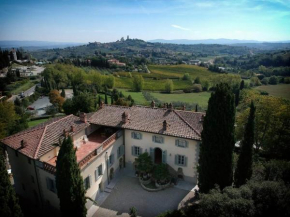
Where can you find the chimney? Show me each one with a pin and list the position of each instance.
(72, 128)
(170, 106)
(125, 117)
(83, 117)
(152, 104)
(23, 143)
(202, 118)
(101, 105)
(183, 107)
(165, 125)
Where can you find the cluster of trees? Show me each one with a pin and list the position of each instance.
(4, 58)
(253, 187)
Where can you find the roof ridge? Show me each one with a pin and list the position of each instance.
(39, 143)
(59, 120)
(198, 133)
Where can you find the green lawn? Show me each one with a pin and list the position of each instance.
(137, 96)
(200, 98)
(16, 89)
(36, 122)
(280, 90)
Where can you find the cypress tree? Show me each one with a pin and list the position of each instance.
(100, 101)
(242, 85)
(62, 93)
(237, 97)
(216, 149)
(9, 206)
(244, 165)
(196, 108)
(112, 100)
(69, 182)
(106, 98)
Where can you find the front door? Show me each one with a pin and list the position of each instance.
(158, 155)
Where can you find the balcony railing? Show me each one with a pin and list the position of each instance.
(51, 169)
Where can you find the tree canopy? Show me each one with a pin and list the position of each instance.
(215, 162)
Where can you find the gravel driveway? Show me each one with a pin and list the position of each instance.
(128, 193)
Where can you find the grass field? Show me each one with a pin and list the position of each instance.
(137, 96)
(16, 89)
(36, 122)
(280, 90)
(200, 98)
(155, 81)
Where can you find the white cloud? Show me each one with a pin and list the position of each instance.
(180, 27)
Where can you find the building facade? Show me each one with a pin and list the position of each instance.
(106, 141)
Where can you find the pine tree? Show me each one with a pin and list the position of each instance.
(244, 165)
(106, 99)
(216, 149)
(62, 93)
(8, 201)
(69, 182)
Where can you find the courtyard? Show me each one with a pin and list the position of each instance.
(128, 193)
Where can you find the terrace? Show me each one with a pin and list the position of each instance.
(90, 147)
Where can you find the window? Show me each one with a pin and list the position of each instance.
(111, 159)
(16, 153)
(181, 143)
(50, 184)
(32, 179)
(136, 151)
(29, 160)
(136, 135)
(181, 160)
(98, 172)
(87, 182)
(120, 151)
(158, 139)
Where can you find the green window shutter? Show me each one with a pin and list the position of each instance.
(185, 161)
(113, 159)
(153, 138)
(176, 159)
(90, 179)
(122, 149)
(96, 174)
(176, 142)
(152, 154)
(132, 135)
(133, 151)
(47, 183)
(162, 140)
(54, 187)
(164, 156)
(140, 151)
(186, 144)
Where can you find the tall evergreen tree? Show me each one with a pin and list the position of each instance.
(9, 206)
(244, 165)
(69, 182)
(242, 85)
(106, 98)
(237, 97)
(100, 101)
(215, 162)
(112, 100)
(62, 93)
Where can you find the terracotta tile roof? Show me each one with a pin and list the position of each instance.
(40, 139)
(180, 123)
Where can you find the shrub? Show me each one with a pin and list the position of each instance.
(273, 80)
(138, 83)
(168, 86)
(186, 77)
(265, 81)
(197, 88)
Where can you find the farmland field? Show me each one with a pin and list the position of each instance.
(137, 96)
(280, 90)
(155, 81)
(200, 98)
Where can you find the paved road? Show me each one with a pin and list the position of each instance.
(128, 193)
(26, 93)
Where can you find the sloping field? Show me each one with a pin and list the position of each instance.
(280, 90)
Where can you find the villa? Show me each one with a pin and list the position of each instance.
(105, 142)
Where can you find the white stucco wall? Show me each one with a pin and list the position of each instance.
(22, 174)
(191, 152)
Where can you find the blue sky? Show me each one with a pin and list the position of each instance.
(109, 20)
